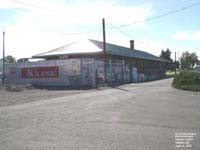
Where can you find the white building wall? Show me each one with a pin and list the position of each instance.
(72, 72)
(75, 72)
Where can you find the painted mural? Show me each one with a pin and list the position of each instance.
(74, 72)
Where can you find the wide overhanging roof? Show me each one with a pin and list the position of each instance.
(92, 47)
(80, 47)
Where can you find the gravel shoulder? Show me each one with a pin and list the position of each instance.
(8, 98)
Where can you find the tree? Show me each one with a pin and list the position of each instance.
(188, 60)
(166, 54)
(10, 59)
(175, 65)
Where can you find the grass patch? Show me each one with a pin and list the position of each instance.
(170, 73)
(187, 80)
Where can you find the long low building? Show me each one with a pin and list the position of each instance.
(85, 63)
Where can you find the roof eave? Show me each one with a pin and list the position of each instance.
(70, 54)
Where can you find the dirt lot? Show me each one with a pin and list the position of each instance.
(25, 96)
(143, 116)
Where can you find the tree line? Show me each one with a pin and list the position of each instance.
(11, 60)
(187, 61)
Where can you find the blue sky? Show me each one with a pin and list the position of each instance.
(35, 26)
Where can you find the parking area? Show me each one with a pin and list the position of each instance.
(144, 116)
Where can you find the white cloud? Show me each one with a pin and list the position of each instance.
(187, 36)
(42, 25)
(8, 4)
(196, 36)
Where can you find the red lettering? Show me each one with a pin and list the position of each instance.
(40, 72)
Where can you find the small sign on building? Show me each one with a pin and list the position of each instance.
(40, 72)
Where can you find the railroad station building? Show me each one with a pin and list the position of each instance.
(86, 63)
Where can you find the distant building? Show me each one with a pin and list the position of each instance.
(85, 63)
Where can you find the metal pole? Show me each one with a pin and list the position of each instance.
(3, 78)
(175, 64)
(104, 49)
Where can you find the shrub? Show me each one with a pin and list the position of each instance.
(187, 80)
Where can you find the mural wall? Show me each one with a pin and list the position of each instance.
(73, 72)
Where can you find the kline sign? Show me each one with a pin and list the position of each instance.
(40, 72)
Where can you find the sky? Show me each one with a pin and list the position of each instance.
(36, 26)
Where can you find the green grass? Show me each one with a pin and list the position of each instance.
(170, 73)
(187, 80)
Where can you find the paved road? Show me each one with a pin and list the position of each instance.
(136, 116)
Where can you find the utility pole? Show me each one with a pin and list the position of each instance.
(175, 63)
(3, 77)
(104, 48)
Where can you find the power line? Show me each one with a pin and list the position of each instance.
(150, 19)
(153, 18)
(53, 10)
(123, 25)
(161, 15)
(33, 5)
(121, 31)
(125, 33)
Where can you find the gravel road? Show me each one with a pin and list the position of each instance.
(142, 116)
(26, 96)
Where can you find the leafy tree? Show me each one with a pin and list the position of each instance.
(188, 60)
(9, 60)
(175, 65)
(166, 54)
